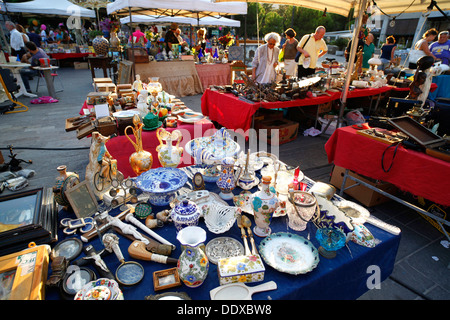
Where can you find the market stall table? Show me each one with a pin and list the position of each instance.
(235, 113)
(180, 78)
(121, 148)
(345, 277)
(411, 171)
(214, 74)
(15, 69)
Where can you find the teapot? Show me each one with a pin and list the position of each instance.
(169, 155)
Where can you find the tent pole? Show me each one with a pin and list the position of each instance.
(132, 44)
(245, 38)
(351, 62)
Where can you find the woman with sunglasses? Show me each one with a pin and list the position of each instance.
(266, 59)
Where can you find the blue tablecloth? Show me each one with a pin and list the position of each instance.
(344, 277)
(443, 89)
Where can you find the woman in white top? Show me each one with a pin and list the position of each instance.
(266, 59)
(422, 47)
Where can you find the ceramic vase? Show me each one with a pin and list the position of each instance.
(140, 160)
(169, 155)
(63, 182)
(185, 214)
(114, 40)
(193, 264)
(264, 204)
(101, 45)
(227, 178)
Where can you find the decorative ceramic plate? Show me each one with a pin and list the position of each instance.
(332, 217)
(223, 247)
(255, 163)
(190, 117)
(219, 218)
(289, 253)
(100, 289)
(357, 213)
(161, 180)
(215, 147)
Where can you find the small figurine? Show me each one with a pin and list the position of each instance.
(137, 84)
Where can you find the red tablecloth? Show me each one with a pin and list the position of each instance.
(412, 171)
(214, 74)
(60, 56)
(121, 148)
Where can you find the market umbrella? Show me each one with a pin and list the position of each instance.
(205, 21)
(392, 8)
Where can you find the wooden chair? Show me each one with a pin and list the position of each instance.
(237, 66)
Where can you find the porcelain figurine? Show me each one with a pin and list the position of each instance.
(169, 155)
(64, 181)
(137, 84)
(142, 105)
(227, 178)
(140, 160)
(193, 264)
(185, 214)
(264, 203)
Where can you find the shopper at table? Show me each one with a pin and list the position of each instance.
(421, 48)
(387, 52)
(266, 59)
(21, 29)
(16, 40)
(441, 48)
(138, 37)
(312, 47)
(368, 51)
(290, 51)
(171, 37)
(43, 33)
(33, 36)
(32, 57)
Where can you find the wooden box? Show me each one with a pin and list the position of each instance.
(105, 87)
(249, 268)
(24, 273)
(366, 196)
(138, 55)
(106, 126)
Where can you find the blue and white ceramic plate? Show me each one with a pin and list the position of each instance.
(161, 180)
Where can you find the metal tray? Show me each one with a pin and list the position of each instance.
(416, 131)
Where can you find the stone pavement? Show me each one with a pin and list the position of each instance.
(421, 269)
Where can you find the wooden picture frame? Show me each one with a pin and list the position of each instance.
(82, 199)
(27, 216)
(125, 70)
(165, 279)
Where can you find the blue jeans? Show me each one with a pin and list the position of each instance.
(26, 74)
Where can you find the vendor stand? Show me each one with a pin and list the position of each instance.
(214, 74)
(180, 78)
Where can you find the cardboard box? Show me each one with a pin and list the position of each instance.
(286, 129)
(248, 268)
(80, 65)
(366, 196)
(268, 114)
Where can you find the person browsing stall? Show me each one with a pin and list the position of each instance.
(387, 52)
(32, 57)
(441, 48)
(368, 51)
(16, 40)
(290, 50)
(266, 59)
(312, 47)
(421, 48)
(171, 37)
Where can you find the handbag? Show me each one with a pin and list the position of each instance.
(415, 55)
(297, 56)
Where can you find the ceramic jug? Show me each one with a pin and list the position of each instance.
(264, 203)
(227, 178)
(193, 264)
(140, 160)
(169, 155)
(63, 182)
(185, 214)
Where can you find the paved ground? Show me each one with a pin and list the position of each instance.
(421, 269)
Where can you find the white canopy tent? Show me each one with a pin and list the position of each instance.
(205, 21)
(47, 7)
(186, 8)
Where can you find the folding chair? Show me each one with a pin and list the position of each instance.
(9, 84)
